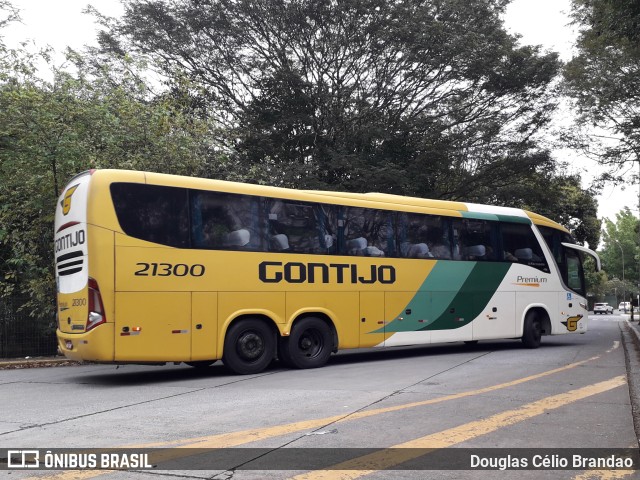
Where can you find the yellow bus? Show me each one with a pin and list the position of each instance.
(154, 268)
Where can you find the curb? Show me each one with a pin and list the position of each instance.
(631, 345)
(634, 328)
(36, 362)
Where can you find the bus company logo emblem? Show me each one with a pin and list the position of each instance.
(66, 201)
(572, 323)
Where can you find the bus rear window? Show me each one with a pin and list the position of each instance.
(153, 213)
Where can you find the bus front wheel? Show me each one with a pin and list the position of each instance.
(532, 331)
(249, 346)
(308, 346)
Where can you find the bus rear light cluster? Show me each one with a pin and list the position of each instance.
(96, 315)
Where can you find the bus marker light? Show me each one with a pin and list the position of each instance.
(68, 344)
(179, 331)
(136, 329)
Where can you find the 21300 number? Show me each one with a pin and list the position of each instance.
(169, 269)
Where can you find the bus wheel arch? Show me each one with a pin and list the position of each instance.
(249, 344)
(312, 339)
(536, 323)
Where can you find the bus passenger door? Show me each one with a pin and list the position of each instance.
(153, 326)
(204, 326)
(372, 320)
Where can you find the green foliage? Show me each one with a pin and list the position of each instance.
(562, 199)
(620, 254)
(8, 13)
(596, 281)
(604, 81)
(432, 99)
(50, 131)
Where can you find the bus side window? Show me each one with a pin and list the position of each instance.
(521, 245)
(211, 224)
(473, 239)
(422, 236)
(153, 213)
(327, 223)
(368, 232)
(225, 221)
(297, 227)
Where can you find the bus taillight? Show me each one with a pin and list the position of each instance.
(96, 314)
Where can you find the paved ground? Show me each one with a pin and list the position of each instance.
(631, 342)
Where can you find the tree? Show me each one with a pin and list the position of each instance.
(597, 281)
(8, 13)
(604, 82)
(422, 98)
(563, 198)
(50, 131)
(620, 254)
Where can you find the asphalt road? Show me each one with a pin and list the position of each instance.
(572, 393)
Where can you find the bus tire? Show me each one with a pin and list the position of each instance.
(249, 346)
(309, 345)
(532, 331)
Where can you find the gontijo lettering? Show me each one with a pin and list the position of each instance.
(298, 272)
(70, 240)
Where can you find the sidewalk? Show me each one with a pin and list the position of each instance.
(35, 362)
(631, 344)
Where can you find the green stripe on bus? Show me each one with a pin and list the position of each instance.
(451, 296)
(514, 219)
(496, 217)
(480, 216)
(473, 297)
(433, 298)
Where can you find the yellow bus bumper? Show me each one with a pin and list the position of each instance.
(96, 345)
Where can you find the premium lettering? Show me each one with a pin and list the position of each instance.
(522, 279)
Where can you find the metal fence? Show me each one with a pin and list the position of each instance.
(22, 335)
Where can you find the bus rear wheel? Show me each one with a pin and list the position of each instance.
(249, 346)
(309, 345)
(532, 331)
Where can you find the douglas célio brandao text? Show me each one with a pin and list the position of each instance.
(550, 462)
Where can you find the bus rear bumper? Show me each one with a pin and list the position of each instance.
(96, 345)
